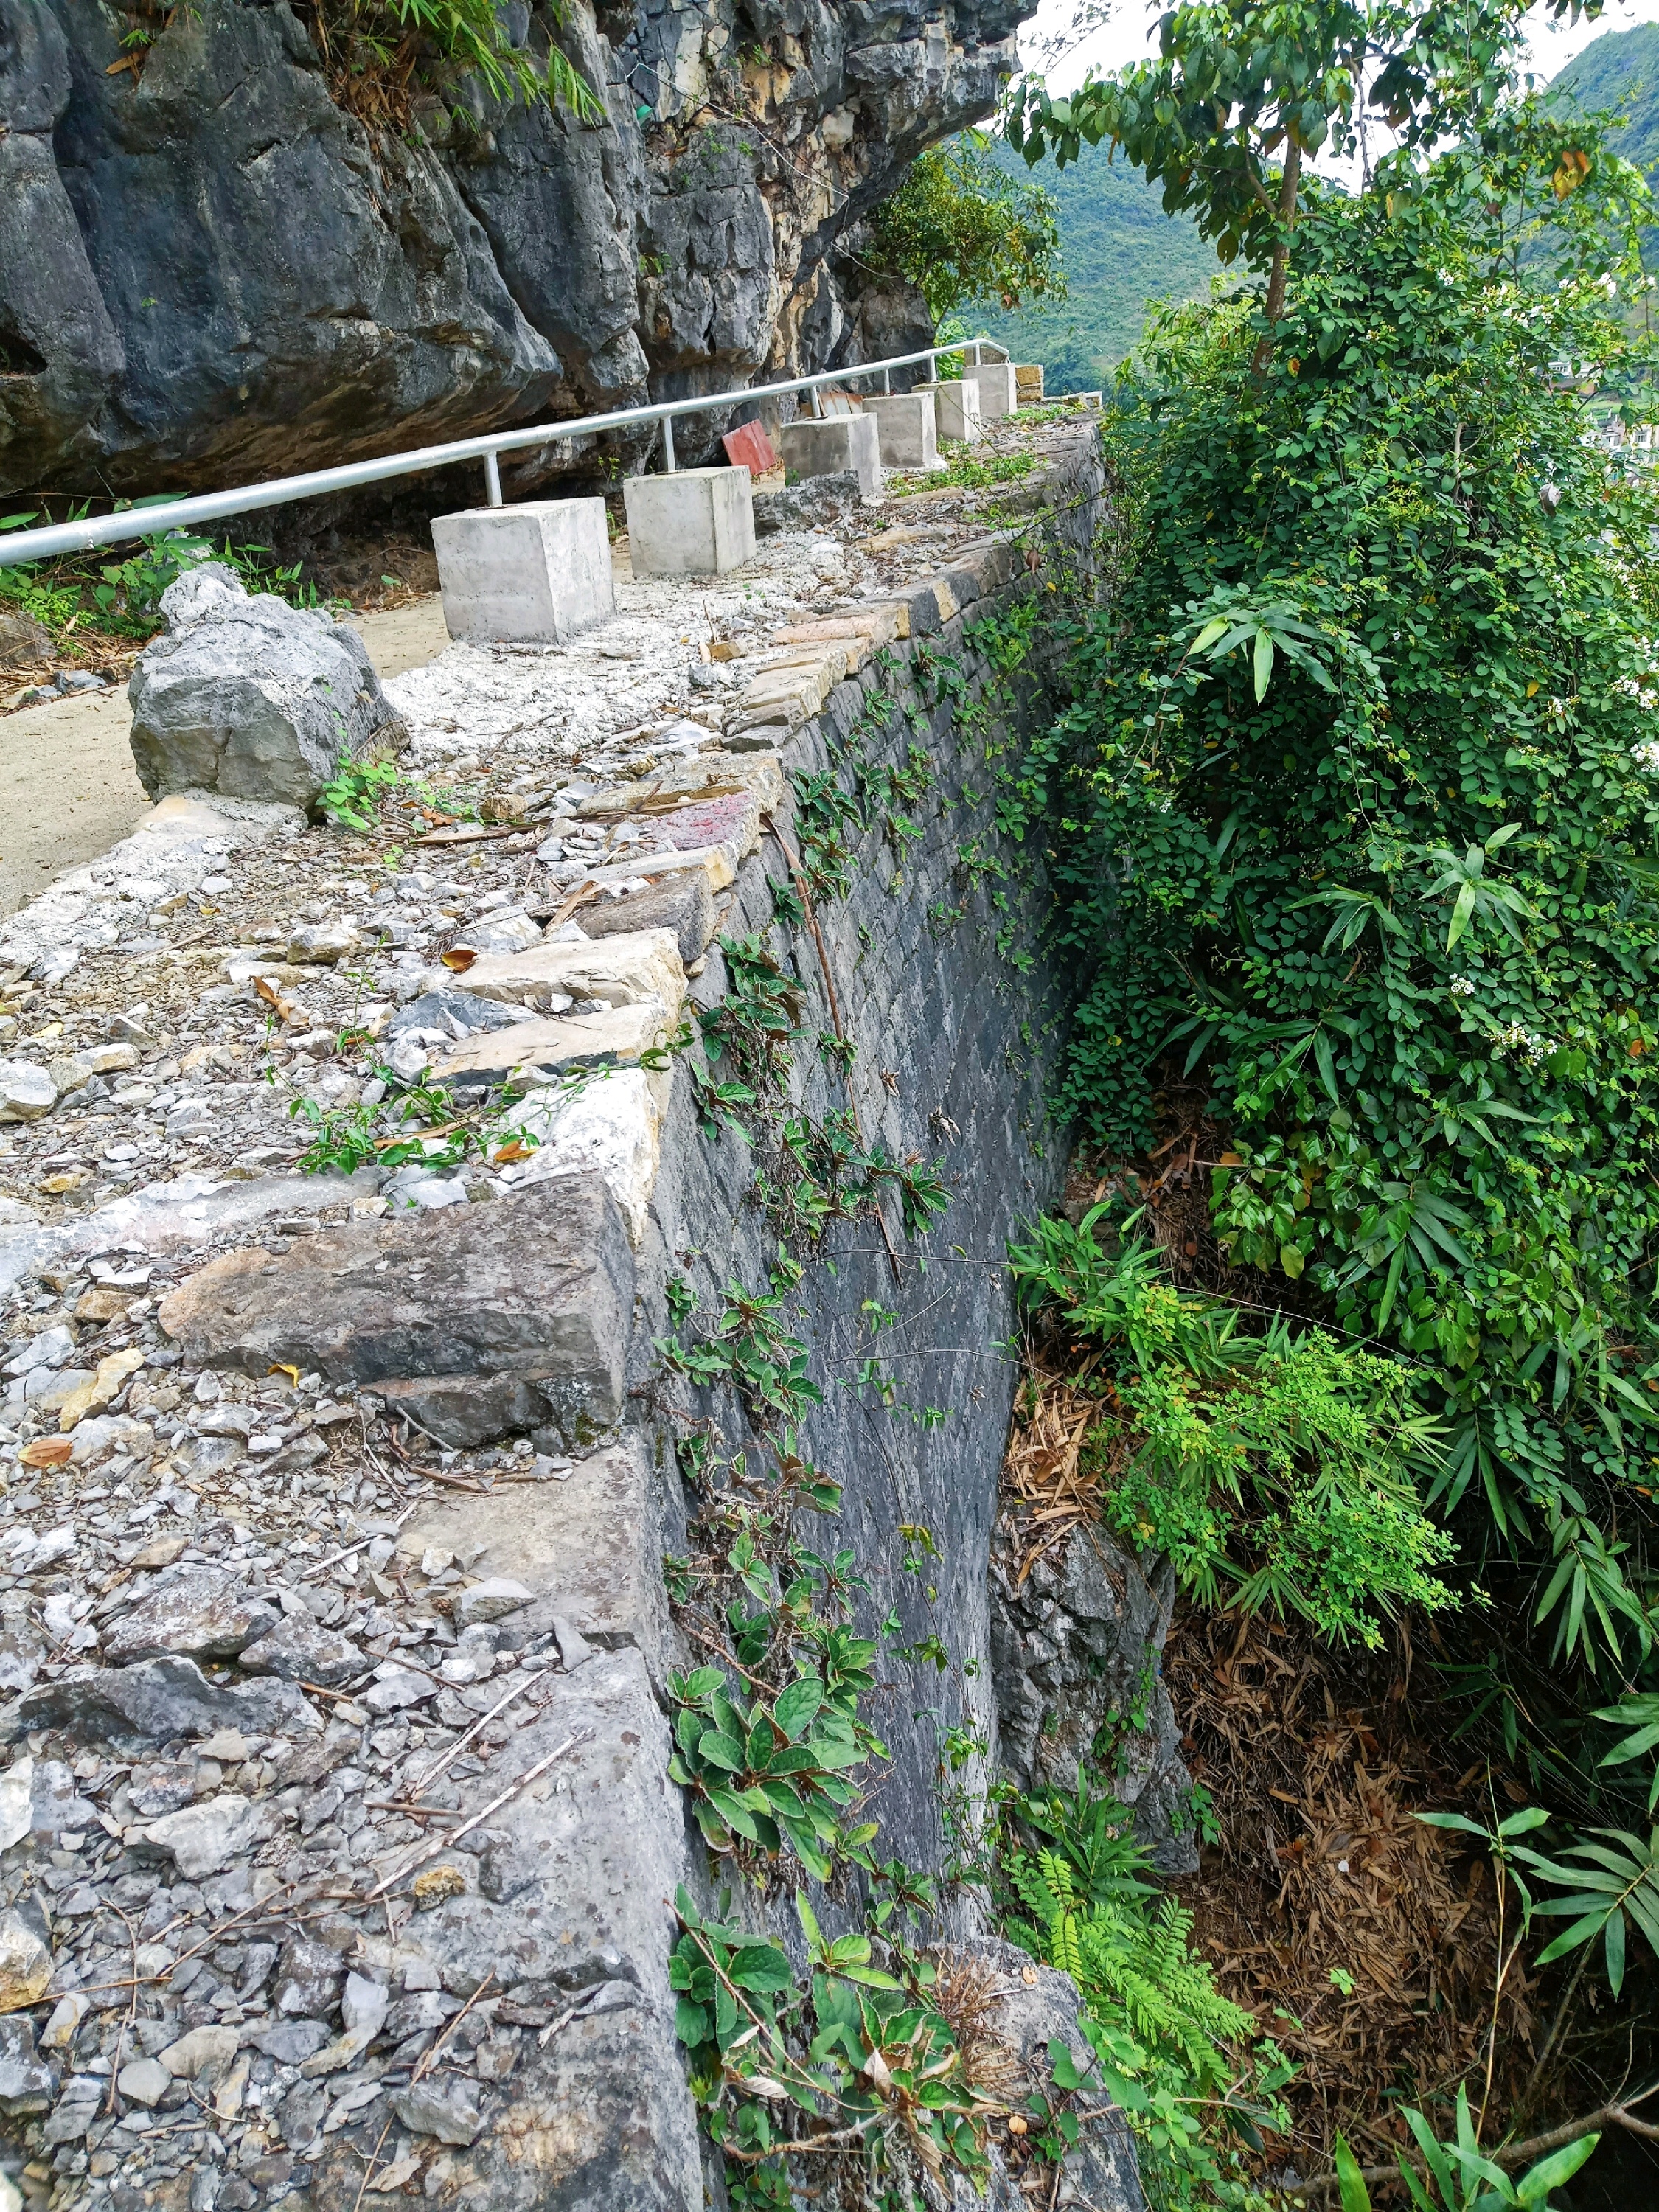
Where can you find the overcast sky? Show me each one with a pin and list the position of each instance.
(1124, 36)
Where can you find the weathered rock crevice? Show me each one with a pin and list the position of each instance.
(211, 271)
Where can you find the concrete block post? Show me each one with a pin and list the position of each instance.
(955, 411)
(698, 522)
(909, 432)
(534, 574)
(999, 393)
(829, 447)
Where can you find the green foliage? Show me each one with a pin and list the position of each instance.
(812, 1172)
(122, 597)
(1457, 2177)
(1364, 755)
(351, 798)
(961, 228)
(417, 1122)
(1188, 2067)
(1273, 1465)
(762, 1773)
(391, 45)
(863, 2047)
(361, 792)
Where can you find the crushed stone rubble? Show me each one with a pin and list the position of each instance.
(246, 1704)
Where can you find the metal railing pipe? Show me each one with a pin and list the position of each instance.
(46, 543)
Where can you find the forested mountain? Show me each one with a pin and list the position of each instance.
(1620, 71)
(1122, 251)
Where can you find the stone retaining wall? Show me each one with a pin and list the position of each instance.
(531, 1954)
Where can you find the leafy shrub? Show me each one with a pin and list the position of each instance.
(1356, 812)
(1273, 1467)
(1188, 2067)
(961, 229)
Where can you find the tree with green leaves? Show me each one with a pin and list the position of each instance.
(1242, 94)
(960, 229)
(1366, 754)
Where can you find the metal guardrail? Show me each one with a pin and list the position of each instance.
(150, 521)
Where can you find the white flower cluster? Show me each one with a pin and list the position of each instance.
(1647, 755)
(1532, 1048)
(1461, 987)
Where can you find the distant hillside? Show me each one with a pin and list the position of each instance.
(1619, 70)
(1121, 251)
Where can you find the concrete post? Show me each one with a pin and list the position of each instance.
(698, 522)
(955, 411)
(533, 574)
(909, 433)
(828, 449)
(998, 393)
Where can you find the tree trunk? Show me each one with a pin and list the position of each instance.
(1278, 273)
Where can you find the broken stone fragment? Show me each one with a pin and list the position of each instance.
(396, 1687)
(323, 944)
(204, 2054)
(206, 1613)
(25, 1957)
(290, 2041)
(440, 2106)
(25, 1091)
(66, 2016)
(299, 1650)
(542, 1289)
(621, 970)
(202, 1838)
(307, 1981)
(251, 697)
(616, 1036)
(105, 1385)
(143, 2081)
(491, 1599)
(160, 1698)
(27, 2082)
(683, 904)
(162, 1786)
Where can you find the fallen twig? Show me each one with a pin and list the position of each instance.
(456, 1749)
(441, 1843)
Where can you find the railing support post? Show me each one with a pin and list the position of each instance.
(492, 480)
(669, 463)
(817, 405)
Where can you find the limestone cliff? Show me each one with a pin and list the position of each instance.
(211, 271)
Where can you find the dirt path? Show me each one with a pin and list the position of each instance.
(68, 791)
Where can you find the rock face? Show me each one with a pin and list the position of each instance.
(1076, 1648)
(210, 272)
(251, 696)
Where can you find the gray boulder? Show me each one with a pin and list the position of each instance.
(488, 1317)
(251, 697)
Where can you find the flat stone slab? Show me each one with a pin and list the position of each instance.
(541, 1286)
(683, 903)
(624, 970)
(617, 1036)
